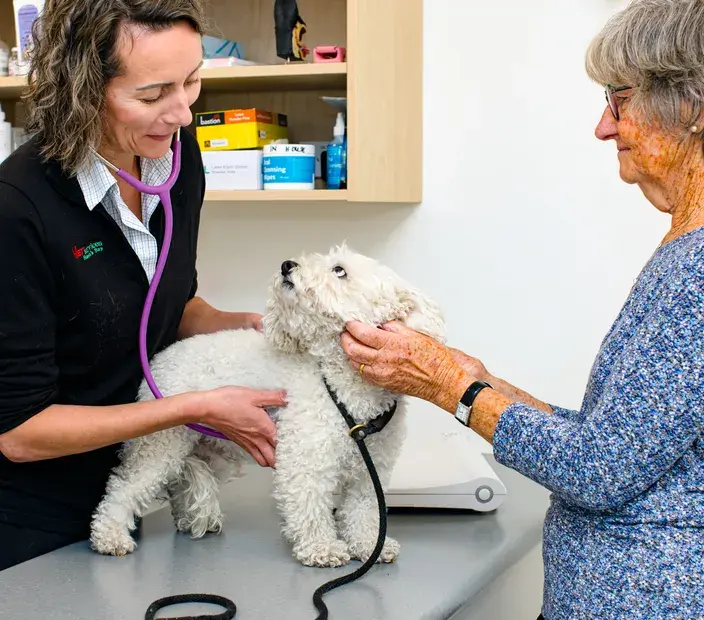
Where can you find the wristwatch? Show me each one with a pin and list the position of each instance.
(463, 413)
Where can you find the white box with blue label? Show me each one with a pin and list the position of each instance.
(288, 166)
(229, 170)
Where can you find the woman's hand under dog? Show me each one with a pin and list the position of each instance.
(239, 414)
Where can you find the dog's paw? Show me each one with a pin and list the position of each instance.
(215, 523)
(327, 554)
(390, 550)
(112, 543)
(363, 550)
(199, 525)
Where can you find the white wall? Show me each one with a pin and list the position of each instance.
(526, 235)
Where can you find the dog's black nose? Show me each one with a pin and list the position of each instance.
(287, 267)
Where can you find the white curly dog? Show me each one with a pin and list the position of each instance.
(309, 302)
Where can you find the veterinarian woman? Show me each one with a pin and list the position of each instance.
(624, 536)
(78, 248)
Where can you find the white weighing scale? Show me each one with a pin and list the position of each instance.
(443, 465)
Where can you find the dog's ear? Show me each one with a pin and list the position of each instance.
(423, 314)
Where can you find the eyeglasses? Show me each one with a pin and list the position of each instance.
(612, 100)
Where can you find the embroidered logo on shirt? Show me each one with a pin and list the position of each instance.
(87, 251)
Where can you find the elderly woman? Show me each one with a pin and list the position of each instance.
(624, 535)
(78, 249)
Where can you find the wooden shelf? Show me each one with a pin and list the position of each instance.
(248, 78)
(12, 87)
(313, 195)
(262, 78)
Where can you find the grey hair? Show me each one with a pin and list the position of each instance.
(656, 46)
(73, 60)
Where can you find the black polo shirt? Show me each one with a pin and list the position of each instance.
(72, 295)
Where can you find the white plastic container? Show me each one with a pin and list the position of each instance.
(288, 166)
(5, 137)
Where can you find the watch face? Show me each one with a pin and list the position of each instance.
(462, 413)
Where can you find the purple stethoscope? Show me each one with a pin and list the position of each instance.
(164, 193)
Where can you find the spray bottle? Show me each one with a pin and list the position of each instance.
(337, 157)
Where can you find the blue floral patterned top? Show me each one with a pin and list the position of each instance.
(624, 534)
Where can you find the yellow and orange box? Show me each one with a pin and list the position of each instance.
(229, 130)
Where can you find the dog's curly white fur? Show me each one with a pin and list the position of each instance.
(315, 457)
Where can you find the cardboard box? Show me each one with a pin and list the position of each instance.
(227, 170)
(228, 130)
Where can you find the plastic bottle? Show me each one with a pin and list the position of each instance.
(4, 58)
(14, 62)
(343, 173)
(336, 157)
(5, 137)
(18, 66)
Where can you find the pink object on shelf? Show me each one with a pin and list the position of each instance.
(329, 53)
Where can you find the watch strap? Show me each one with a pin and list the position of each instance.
(463, 413)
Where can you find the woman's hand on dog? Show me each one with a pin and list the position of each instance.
(405, 361)
(239, 414)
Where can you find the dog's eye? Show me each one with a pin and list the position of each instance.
(339, 271)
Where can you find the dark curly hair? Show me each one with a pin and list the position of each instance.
(73, 59)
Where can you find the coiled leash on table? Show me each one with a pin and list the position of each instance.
(212, 599)
(358, 432)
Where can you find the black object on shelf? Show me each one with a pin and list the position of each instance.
(289, 28)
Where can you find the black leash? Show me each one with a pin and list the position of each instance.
(361, 431)
(358, 432)
(213, 599)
